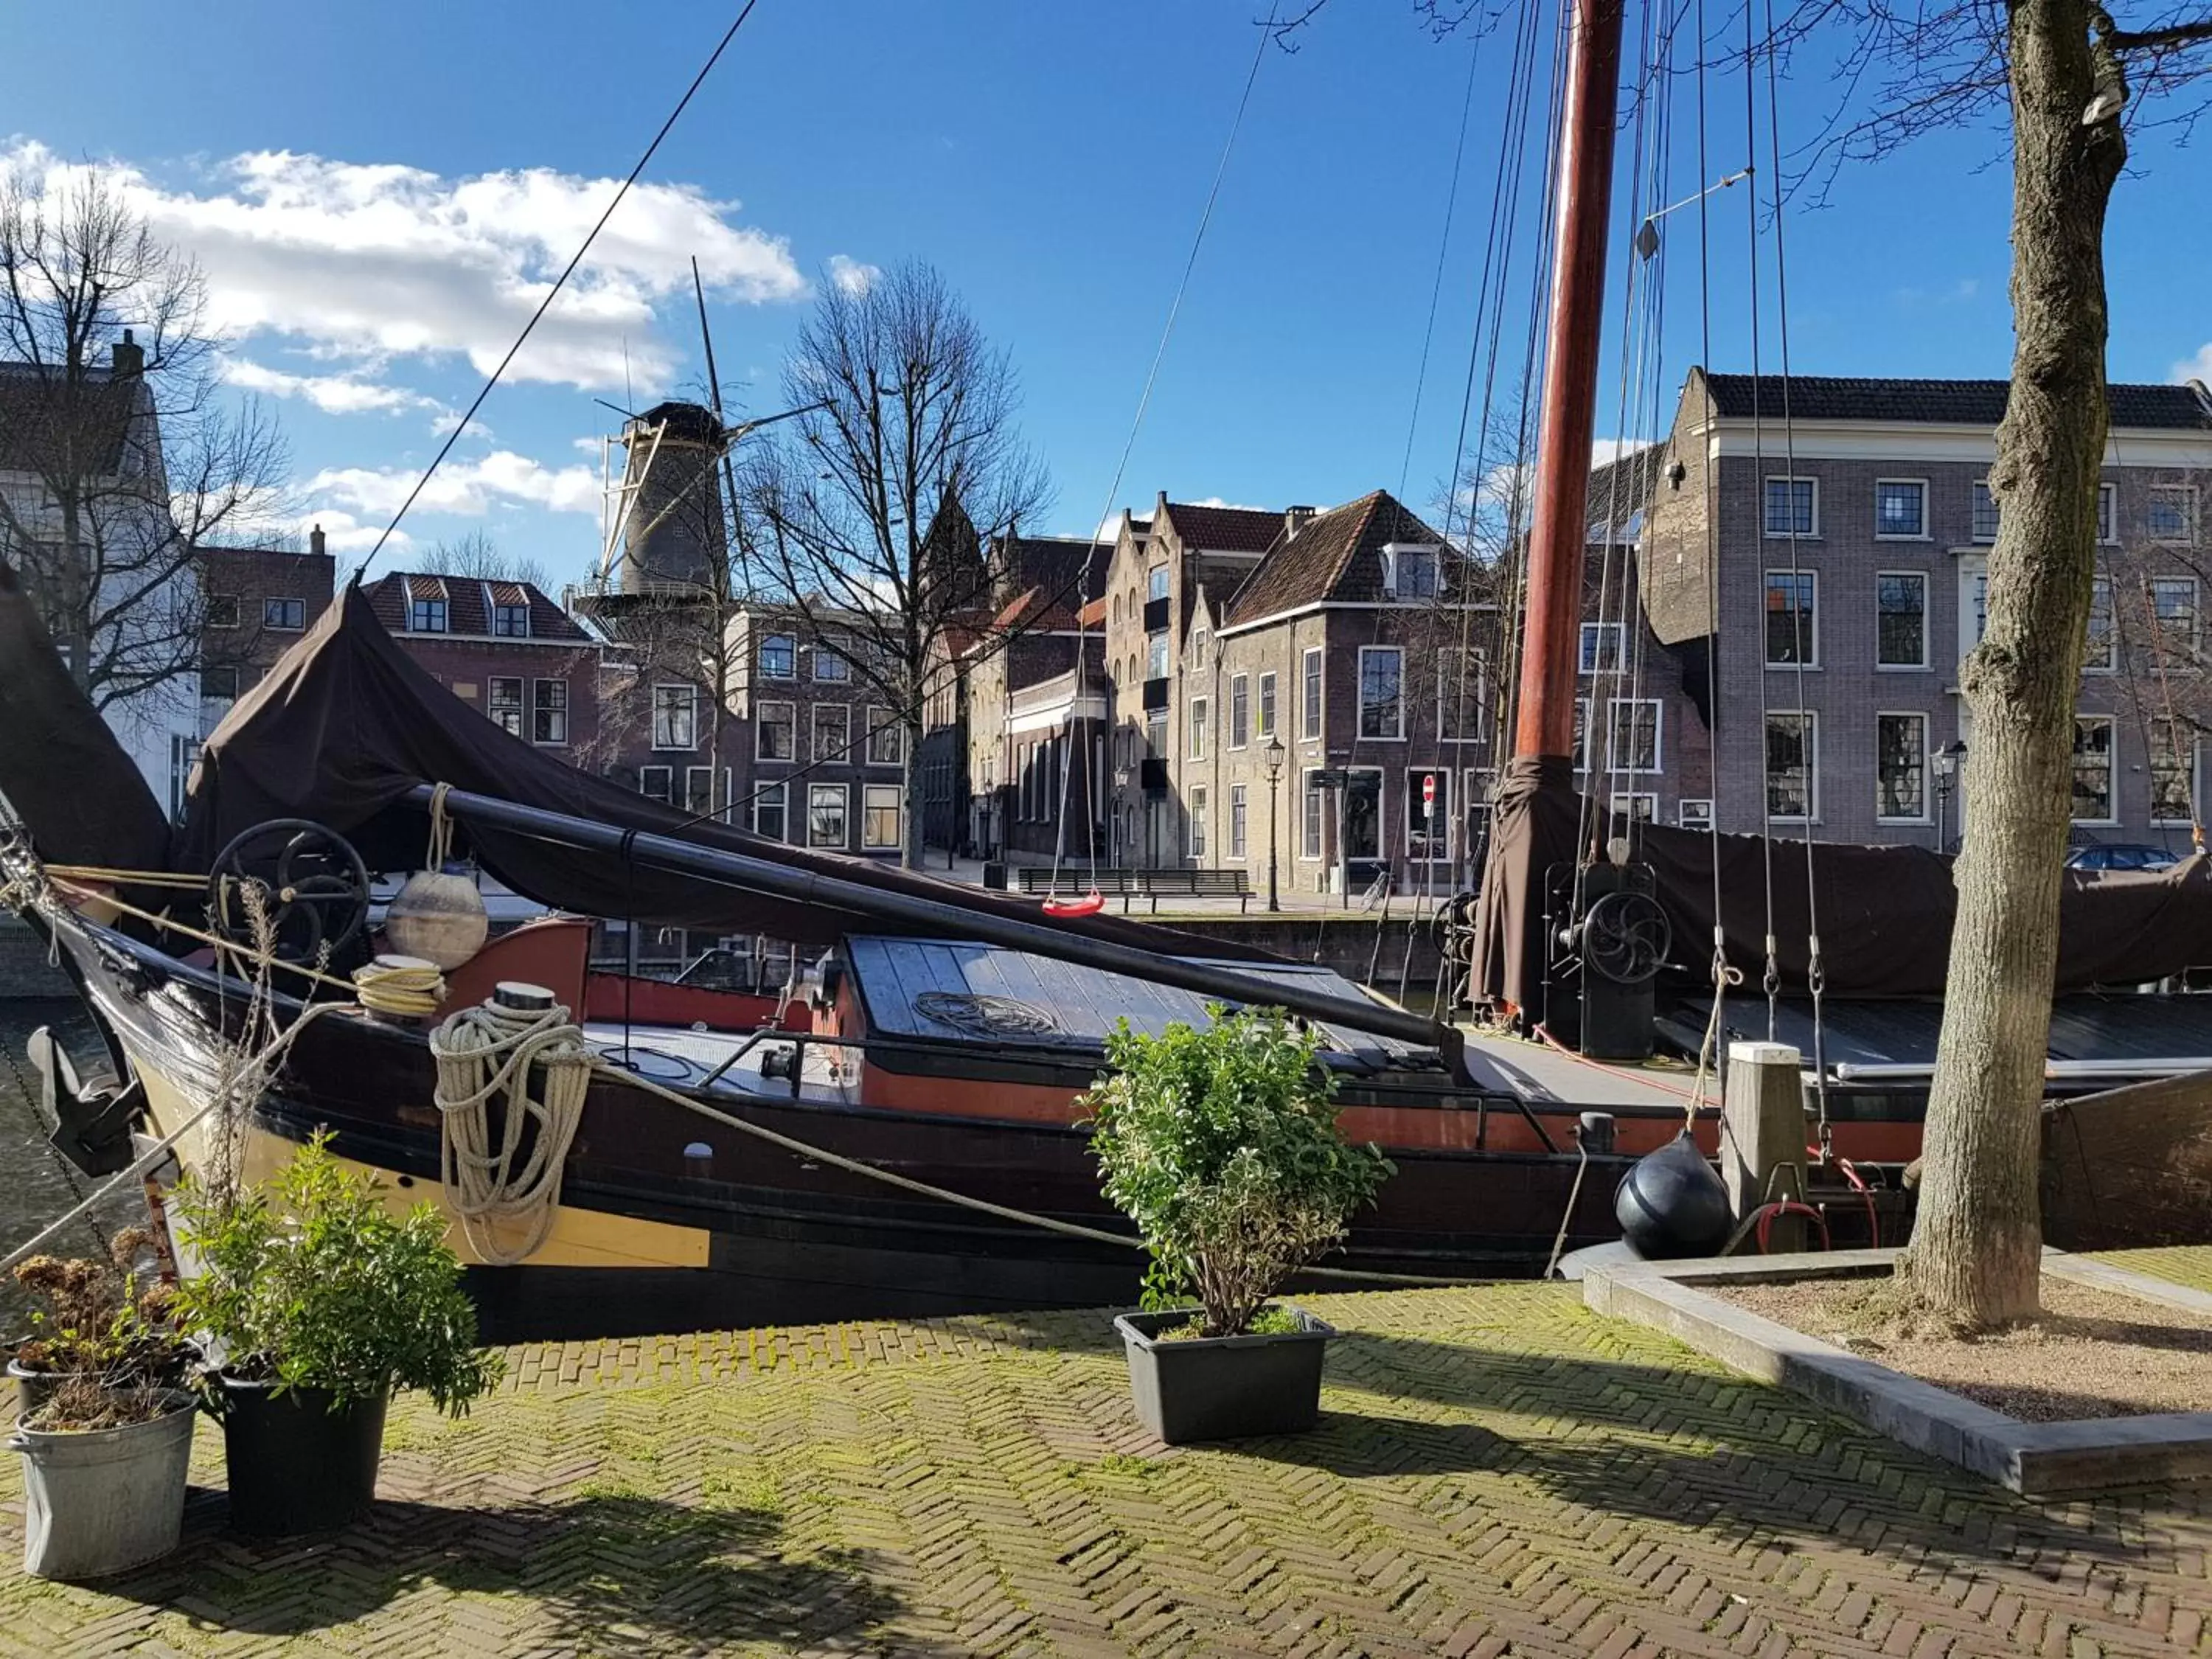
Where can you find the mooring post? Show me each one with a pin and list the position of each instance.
(1763, 1130)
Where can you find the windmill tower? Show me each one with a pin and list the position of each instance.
(665, 533)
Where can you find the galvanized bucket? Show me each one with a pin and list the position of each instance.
(104, 1500)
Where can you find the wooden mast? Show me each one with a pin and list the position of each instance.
(1552, 635)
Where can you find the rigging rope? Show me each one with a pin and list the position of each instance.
(506, 1195)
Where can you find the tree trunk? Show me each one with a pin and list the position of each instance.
(911, 850)
(1976, 1242)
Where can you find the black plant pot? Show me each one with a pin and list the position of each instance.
(296, 1465)
(1223, 1387)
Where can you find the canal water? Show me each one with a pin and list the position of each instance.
(36, 1182)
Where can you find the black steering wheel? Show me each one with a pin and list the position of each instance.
(312, 882)
(1625, 938)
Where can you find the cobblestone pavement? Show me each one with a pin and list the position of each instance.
(1498, 1472)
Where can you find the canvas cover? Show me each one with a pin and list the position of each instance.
(1885, 913)
(348, 723)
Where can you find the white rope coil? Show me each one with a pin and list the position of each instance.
(506, 1195)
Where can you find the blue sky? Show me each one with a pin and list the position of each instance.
(372, 190)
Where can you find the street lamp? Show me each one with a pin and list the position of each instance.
(1949, 760)
(1273, 755)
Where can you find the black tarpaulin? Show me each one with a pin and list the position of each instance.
(348, 723)
(1884, 913)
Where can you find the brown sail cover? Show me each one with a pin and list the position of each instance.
(347, 723)
(61, 769)
(1884, 912)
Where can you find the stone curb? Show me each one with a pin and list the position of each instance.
(2033, 1459)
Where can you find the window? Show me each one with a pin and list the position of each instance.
(1901, 755)
(284, 615)
(1240, 711)
(549, 711)
(2173, 602)
(656, 783)
(511, 622)
(779, 657)
(1237, 809)
(1312, 676)
(222, 611)
(184, 755)
(2098, 657)
(1792, 625)
(1156, 655)
(829, 666)
(1793, 506)
(699, 790)
(675, 717)
(1792, 740)
(1198, 713)
(1311, 818)
(833, 731)
(826, 814)
(2092, 768)
(1636, 806)
(219, 683)
(1198, 639)
(880, 823)
(504, 704)
(426, 616)
(1428, 825)
(1900, 604)
(1695, 814)
(1266, 727)
(1382, 707)
(775, 732)
(2172, 513)
(1632, 734)
(886, 737)
(769, 810)
(1581, 734)
(1411, 572)
(1198, 823)
(1985, 514)
(2172, 772)
(2108, 513)
(1900, 509)
(1602, 649)
(1156, 582)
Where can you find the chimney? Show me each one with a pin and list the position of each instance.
(1296, 518)
(315, 541)
(127, 358)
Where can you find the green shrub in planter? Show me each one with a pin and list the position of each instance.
(318, 1302)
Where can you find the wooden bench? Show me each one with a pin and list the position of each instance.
(1074, 880)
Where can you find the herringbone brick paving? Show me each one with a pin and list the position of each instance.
(1498, 1472)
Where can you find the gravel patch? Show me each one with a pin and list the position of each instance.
(2093, 1353)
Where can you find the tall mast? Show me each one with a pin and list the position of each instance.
(1584, 196)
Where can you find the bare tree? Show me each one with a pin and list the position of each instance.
(125, 456)
(867, 517)
(477, 555)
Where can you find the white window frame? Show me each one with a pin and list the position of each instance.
(2186, 657)
(762, 724)
(840, 668)
(1156, 576)
(2111, 771)
(2108, 513)
(1694, 813)
(1973, 526)
(1313, 816)
(790, 644)
(882, 726)
(1579, 739)
(691, 712)
(558, 707)
(1395, 557)
(1195, 836)
(773, 797)
(1589, 652)
(844, 793)
(1812, 535)
(1879, 577)
(2110, 665)
(1240, 822)
(1622, 802)
(2191, 757)
(1658, 733)
(1926, 763)
(871, 805)
(1812, 718)
(1263, 706)
(519, 706)
(1201, 709)
(2188, 535)
(667, 775)
(1813, 648)
(844, 757)
(690, 776)
(1360, 729)
(1240, 711)
(1313, 687)
(1880, 535)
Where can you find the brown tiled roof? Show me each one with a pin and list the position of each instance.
(1337, 555)
(1620, 491)
(1224, 529)
(1963, 403)
(42, 410)
(1058, 564)
(1092, 614)
(468, 606)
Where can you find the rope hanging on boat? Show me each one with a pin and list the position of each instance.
(441, 829)
(506, 1196)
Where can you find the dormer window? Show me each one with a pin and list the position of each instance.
(1409, 573)
(511, 622)
(426, 616)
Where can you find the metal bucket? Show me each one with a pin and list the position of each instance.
(105, 1500)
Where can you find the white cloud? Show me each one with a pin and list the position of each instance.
(353, 260)
(344, 533)
(1216, 500)
(334, 394)
(851, 274)
(471, 487)
(2198, 368)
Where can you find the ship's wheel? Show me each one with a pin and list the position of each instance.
(1625, 938)
(313, 883)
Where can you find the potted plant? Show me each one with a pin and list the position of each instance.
(105, 1434)
(1222, 1145)
(316, 1302)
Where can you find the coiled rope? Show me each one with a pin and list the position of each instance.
(506, 1196)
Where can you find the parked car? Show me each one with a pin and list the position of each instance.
(2121, 855)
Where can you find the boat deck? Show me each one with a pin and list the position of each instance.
(1540, 1074)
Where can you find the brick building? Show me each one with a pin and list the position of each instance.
(1840, 577)
(256, 602)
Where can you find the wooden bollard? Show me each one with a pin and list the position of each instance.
(1762, 1129)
